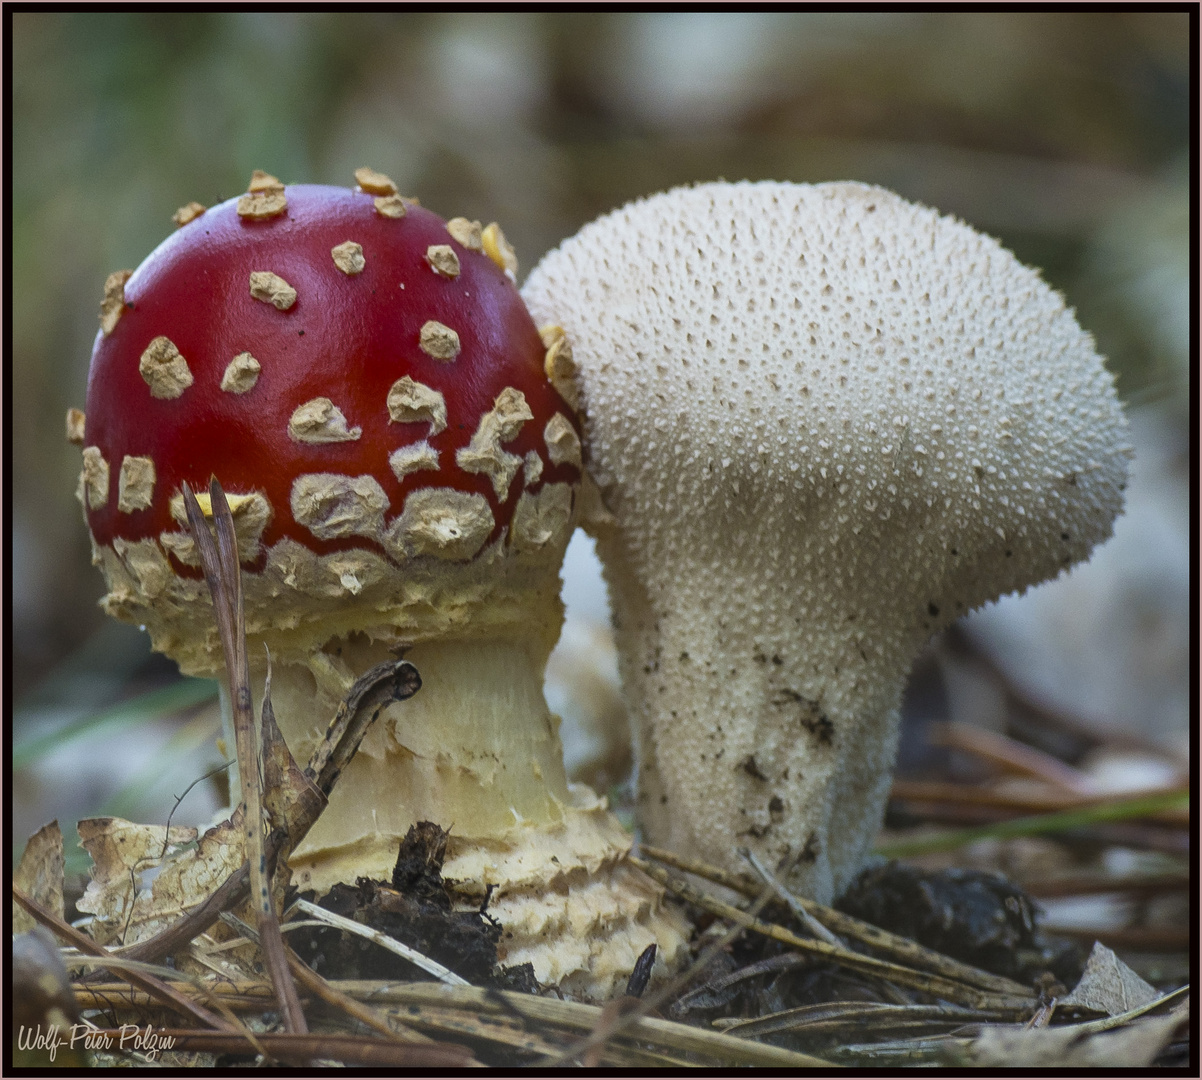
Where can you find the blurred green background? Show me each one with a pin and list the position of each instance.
(1065, 135)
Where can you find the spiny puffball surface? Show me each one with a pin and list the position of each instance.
(826, 422)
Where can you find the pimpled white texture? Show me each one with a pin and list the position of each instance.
(827, 422)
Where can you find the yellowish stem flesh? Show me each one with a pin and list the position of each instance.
(477, 751)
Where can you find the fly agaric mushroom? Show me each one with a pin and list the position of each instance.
(371, 393)
(825, 422)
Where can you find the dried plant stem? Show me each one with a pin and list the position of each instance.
(323, 991)
(162, 992)
(300, 1049)
(850, 1020)
(224, 577)
(1050, 799)
(1009, 754)
(489, 1015)
(637, 1009)
(432, 967)
(922, 981)
(680, 1038)
(909, 952)
(795, 905)
(393, 680)
(1115, 809)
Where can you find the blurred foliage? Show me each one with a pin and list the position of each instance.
(1066, 134)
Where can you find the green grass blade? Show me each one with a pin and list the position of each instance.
(149, 706)
(1061, 821)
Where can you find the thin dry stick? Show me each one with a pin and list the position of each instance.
(651, 1002)
(322, 990)
(1026, 802)
(502, 1030)
(301, 1049)
(795, 905)
(910, 952)
(230, 994)
(922, 981)
(487, 1005)
(1009, 754)
(392, 680)
(574, 1015)
(432, 967)
(224, 577)
(150, 984)
(844, 1017)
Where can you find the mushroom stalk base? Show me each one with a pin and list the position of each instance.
(477, 752)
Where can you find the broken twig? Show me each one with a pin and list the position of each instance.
(224, 577)
(432, 967)
(150, 984)
(899, 948)
(924, 982)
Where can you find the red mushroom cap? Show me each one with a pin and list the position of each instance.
(399, 446)
(237, 321)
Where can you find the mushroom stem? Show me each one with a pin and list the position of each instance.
(478, 753)
(800, 770)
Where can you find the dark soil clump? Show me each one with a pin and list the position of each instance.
(415, 909)
(979, 918)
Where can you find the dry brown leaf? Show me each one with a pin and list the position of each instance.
(40, 876)
(122, 850)
(1134, 1046)
(1108, 985)
(291, 799)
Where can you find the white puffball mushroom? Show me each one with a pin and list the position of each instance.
(824, 422)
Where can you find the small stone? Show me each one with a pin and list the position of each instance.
(348, 257)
